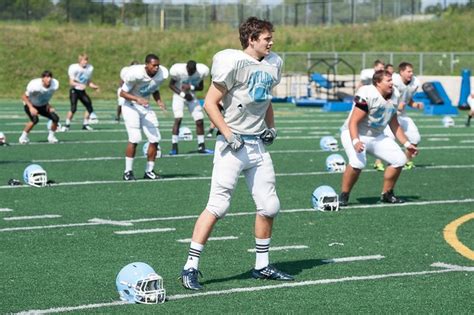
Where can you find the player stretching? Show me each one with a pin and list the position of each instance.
(243, 80)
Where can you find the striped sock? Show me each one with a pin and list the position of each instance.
(262, 246)
(194, 254)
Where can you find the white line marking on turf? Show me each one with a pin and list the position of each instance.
(32, 217)
(381, 205)
(5, 209)
(278, 248)
(354, 258)
(467, 141)
(438, 139)
(446, 268)
(217, 238)
(144, 231)
(110, 222)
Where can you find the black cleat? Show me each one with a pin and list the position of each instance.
(389, 197)
(129, 176)
(343, 199)
(87, 127)
(271, 273)
(151, 175)
(189, 279)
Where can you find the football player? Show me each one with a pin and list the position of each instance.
(141, 81)
(363, 132)
(80, 76)
(367, 74)
(36, 102)
(470, 101)
(186, 79)
(243, 81)
(121, 100)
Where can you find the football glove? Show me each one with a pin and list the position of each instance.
(235, 142)
(268, 136)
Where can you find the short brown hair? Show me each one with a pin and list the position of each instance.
(403, 65)
(378, 76)
(252, 28)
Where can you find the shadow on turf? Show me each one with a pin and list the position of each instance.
(376, 200)
(291, 267)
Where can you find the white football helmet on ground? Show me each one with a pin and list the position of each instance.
(3, 138)
(448, 121)
(34, 175)
(328, 143)
(335, 163)
(93, 119)
(139, 283)
(145, 150)
(185, 134)
(324, 198)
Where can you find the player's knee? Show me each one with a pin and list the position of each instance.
(271, 206)
(135, 136)
(73, 109)
(398, 161)
(89, 108)
(34, 119)
(357, 164)
(219, 211)
(54, 117)
(155, 137)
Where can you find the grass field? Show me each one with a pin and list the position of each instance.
(60, 250)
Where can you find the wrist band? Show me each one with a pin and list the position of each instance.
(407, 144)
(182, 94)
(192, 87)
(355, 141)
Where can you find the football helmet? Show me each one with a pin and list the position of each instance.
(324, 198)
(185, 134)
(34, 175)
(3, 138)
(139, 283)
(93, 119)
(145, 150)
(328, 143)
(448, 121)
(335, 163)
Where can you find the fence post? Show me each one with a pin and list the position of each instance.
(162, 19)
(296, 15)
(421, 63)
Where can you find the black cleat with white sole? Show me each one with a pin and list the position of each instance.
(271, 273)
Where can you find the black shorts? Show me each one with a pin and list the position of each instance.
(42, 110)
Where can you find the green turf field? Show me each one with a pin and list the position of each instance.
(61, 247)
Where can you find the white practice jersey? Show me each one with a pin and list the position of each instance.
(80, 74)
(380, 110)
(179, 73)
(138, 83)
(366, 76)
(406, 90)
(249, 84)
(38, 94)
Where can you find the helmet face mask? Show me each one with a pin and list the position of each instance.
(328, 143)
(324, 198)
(34, 175)
(335, 163)
(448, 121)
(185, 134)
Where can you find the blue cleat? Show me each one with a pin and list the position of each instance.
(206, 151)
(189, 279)
(173, 152)
(271, 273)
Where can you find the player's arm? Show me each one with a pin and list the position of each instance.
(159, 101)
(356, 117)
(416, 105)
(211, 106)
(199, 87)
(75, 84)
(124, 92)
(28, 103)
(93, 85)
(400, 135)
(172, 86)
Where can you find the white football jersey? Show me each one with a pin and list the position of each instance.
(80, 74)
(38, 94)
(380, 110)
(366, 76)
(138, 83)
(179, 73)
(249, 85)
(406, 90)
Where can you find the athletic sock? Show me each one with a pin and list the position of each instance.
(262, 246)
(128, 164)
(150, 165)
(200, 139)
(174, 139)
(195, 250)
(68, 122)
(51, 133)
(24, 134)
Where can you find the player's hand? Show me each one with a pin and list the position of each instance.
(268, 136)
(142, 101)
(235, 142)
(359, 147)
(188, 97)
(419, 105)
(185, 87)
(33, 111)
(162, 105)
(412, 149)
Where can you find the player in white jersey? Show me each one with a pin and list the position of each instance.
(363, 132)
(366, 75)
(141, 81)
(36, 102)
(243, 81)
(121, 100)
(186, 78)
(470, 101)
(80, 77)
(407, 84)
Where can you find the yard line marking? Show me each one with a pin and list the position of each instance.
(278, 248)
(445, 269)
(467, 141)
(32, 217)
(5, 209)
(217, 238)
(104, 222)
(110, 222)
(451, 237)
(438, 139)
(144, 231)
(354, 258)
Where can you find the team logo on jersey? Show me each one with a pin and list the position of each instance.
(82, 78)
(382, 116)
(260, 84)
(147, 89)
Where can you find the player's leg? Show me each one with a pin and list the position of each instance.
(413, 135)
(132, 123)
(28, 126)
(178, 113)
(196, 112)
(86, 101)
(73, 98)
(212, 129)
(50, 113)
(469, 117)
(120, 102)
(150, 125)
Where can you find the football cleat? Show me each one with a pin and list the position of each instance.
(271, 273)
(24, 140)
(173, 152)
(129, 176)
(410, 165)
(343, 199)
(389, 197)
(65, 128)
(379, 167)
(151, 175)
(52, 139)
(87, 127)
(189, 279)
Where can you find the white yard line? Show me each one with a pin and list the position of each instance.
(5, 210)
(33, 217)
(279, 248)
(446, 268)
(354, 258)
(144, 231)
(217, 238)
